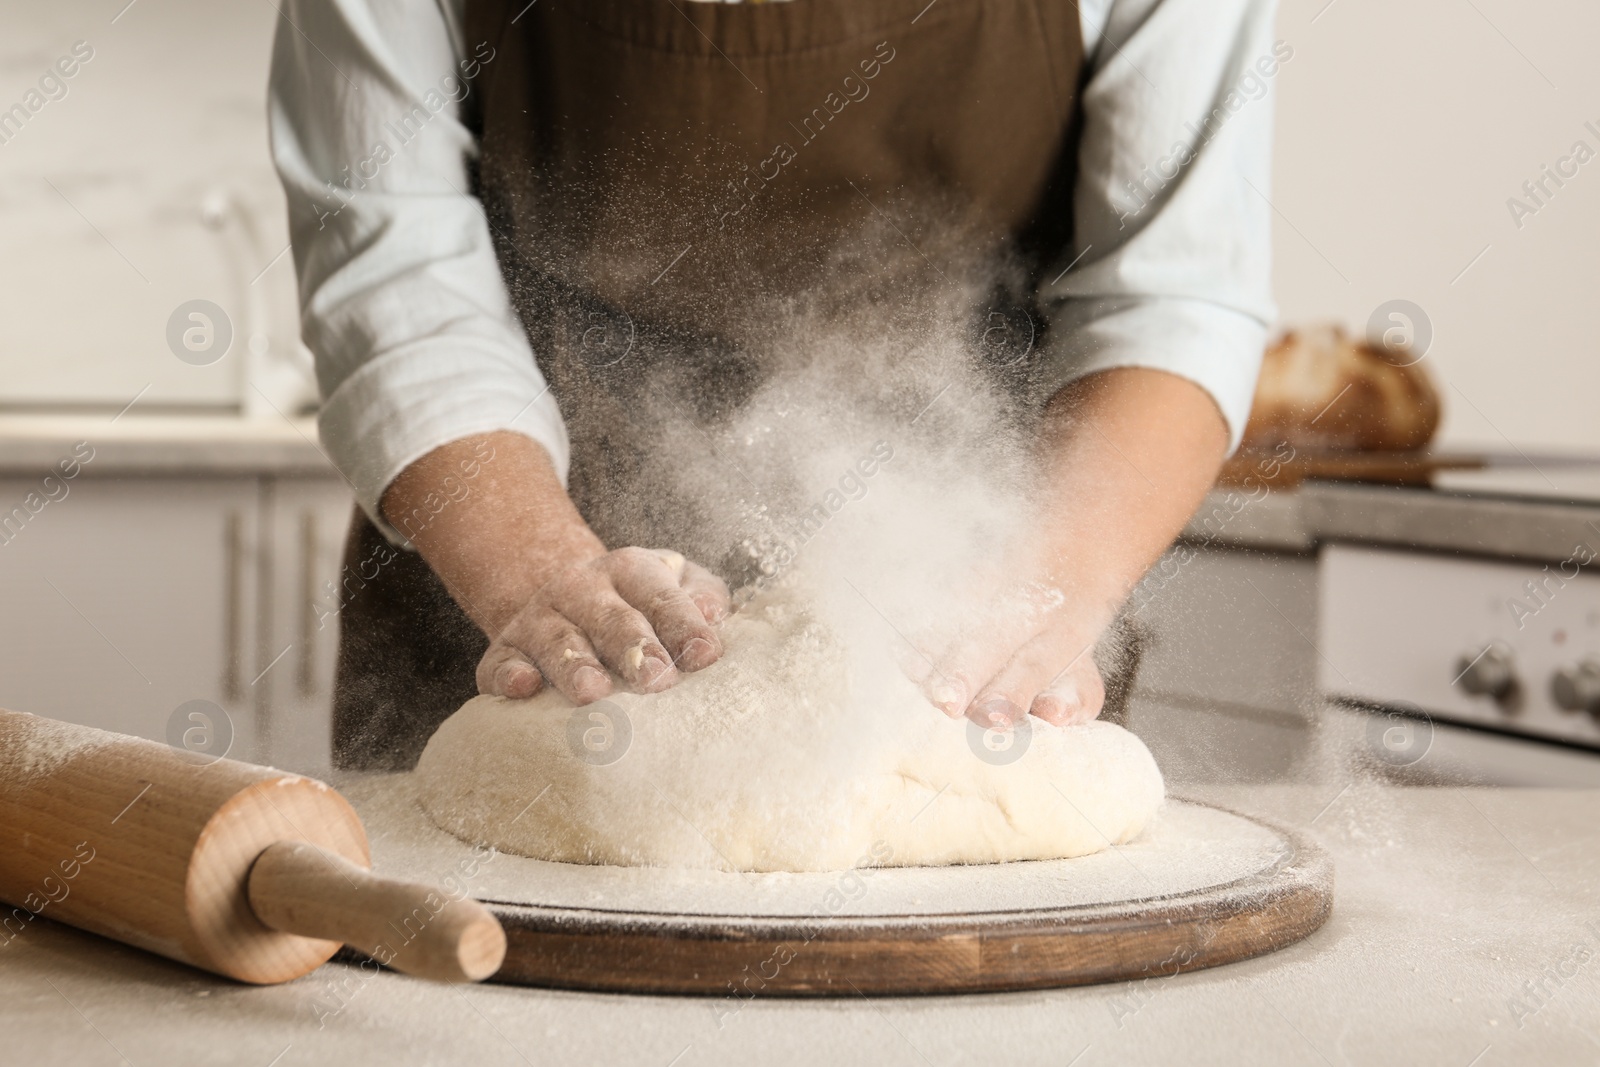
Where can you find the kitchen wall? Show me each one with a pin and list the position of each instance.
(1403, 131)
(102, 194)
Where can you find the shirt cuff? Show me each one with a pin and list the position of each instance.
(399, 406)
(1216, 347)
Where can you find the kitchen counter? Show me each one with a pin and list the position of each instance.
(1465, 931)
(139, 444)
(1483, 523)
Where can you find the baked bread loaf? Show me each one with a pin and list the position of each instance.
(1321, 389)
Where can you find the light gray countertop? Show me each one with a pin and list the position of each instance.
(1465, 931)
(1475, 523)
(1483, 522)
(181, 445)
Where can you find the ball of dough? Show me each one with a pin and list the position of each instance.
(787, 755)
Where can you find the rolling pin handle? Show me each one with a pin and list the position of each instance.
(298, 888)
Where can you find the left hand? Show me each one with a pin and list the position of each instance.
(1029, 652)
(1126, 456)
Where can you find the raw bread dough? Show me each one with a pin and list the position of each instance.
(787, 755)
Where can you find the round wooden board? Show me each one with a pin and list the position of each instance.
(1202, 888)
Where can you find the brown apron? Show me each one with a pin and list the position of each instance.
(670, 184)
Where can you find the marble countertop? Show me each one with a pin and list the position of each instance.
(138, 444)
(1465, 931)
(1483, 520)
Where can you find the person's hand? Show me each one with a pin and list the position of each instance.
(1027, 652)
(1126, 456)
(635, 614)
(493, 520)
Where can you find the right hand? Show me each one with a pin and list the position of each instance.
(492, 519)
(637, 614)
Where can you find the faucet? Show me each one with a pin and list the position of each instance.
(274, 378)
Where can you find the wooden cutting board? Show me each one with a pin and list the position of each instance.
(1289, 467)
(1204, 887)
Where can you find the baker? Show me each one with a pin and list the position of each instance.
(523, 227)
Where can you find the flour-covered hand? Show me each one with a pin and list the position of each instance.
(1025, 653)
(635, 614)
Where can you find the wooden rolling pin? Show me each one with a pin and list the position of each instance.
(246, 871)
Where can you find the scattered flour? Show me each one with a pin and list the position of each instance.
(870, 489)
(35, 746)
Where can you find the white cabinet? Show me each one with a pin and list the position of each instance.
(130, 596)
(307, 521)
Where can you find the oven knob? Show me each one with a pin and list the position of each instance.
(1577, 688)
(1488, 674)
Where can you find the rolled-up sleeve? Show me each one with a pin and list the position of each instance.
(402, 300)
(1171, 257)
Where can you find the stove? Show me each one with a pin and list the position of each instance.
(1499, 644)
(1511, 647)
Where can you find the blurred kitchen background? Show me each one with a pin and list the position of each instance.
(1350, 612)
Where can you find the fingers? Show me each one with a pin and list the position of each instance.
(622, 637)
(709, 593)
(1053, 676)
(949, 689)
(674, 561)
(957, 680)
(505, 672)
(1075, 696)
(650, 585)
(637, 613)
(1007, 667)
(554, 650)
(568, 660)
